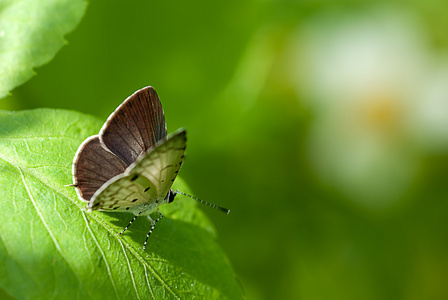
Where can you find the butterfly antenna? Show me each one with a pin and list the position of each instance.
(222, 209)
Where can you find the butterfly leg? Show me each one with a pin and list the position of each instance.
(152, 227)
(126, 228)
(160, 216)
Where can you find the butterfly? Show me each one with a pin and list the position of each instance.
(132, 163)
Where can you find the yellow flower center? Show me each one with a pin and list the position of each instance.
(381, 113)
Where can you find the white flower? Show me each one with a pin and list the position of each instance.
(379, 100)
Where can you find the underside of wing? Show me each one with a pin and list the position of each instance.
(161, 164)
(136, 125)
(93, 166)
(123, 194)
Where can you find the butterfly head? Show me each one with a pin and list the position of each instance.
(170, 196)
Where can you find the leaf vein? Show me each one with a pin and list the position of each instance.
(102, 253)
(130, 269)
(147, 281)
(41, 217)
(39, 213)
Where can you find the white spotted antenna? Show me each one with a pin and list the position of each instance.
(214, 206)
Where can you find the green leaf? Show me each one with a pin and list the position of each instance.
(31, 32)
(50, 247)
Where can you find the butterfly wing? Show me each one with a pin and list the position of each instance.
(161, 164)
(135, 126)
(123, 194)
(146, 182)
(93, 166)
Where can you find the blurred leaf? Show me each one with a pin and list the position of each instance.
(31, 32)
(132, 44)
(51, 248)
(5, 296)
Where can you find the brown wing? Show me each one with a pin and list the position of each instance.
(135, 126)
(93, 166)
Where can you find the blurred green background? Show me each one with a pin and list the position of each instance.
(322, 125)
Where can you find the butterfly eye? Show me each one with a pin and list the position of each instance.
(171, 196)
